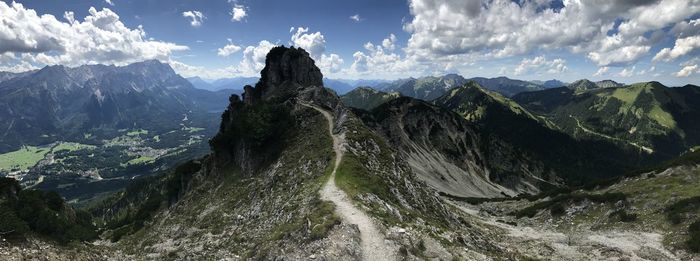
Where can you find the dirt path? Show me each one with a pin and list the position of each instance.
(374, 246)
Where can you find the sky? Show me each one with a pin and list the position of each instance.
(625, 40)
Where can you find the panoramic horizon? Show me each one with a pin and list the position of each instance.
(356, 130)
(621, 41)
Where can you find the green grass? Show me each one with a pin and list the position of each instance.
(140, 160)
(71, 146)
(628, 94)
(137, 132)
(192, 129)
(23, 158)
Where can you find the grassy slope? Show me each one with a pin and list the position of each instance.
(286, 199)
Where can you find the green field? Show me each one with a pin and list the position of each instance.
(23, 158)
(192, 129)
(137, 132)
(140, 160)
(71, 146)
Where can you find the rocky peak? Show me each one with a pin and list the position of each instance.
(285, 66)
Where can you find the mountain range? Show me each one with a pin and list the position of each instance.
(420, 168)
(62, 103)
(647, 116)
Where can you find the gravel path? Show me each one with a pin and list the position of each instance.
(374, 245)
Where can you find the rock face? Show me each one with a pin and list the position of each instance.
(288, 68)
(251, 125)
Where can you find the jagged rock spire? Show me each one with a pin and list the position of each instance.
(287, 69)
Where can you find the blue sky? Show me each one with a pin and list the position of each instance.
(534, 40)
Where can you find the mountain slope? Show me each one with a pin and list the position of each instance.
(431, 87)
(58, 103)
(505, 86)
(454, 156)
(367, 98)
(574, 161)
(646, 116)
(257, 195)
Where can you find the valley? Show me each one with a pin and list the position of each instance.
(439, 168)
(81, 172)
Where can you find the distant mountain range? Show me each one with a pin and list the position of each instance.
(235, 83)
(340, 86)
(646, 116)
(61, 103)
(431, 87)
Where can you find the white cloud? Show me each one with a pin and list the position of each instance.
(356, 18)
(314, 43)
(539, 64)
(252, 62)
(503, 28)
(650, 70)
(109, 2)
(254, 57)
(687, 71)
(627, 72)
(376, 60)
(9, 63)
(686, 28)
(100, 38)
(330, 63)
(601, 71)
(682, 47)
(238, 12)
(389, 43)
(228, 49)
(196, 17)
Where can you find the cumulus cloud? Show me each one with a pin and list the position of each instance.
(196, 17)
(607, 32)
(9, 63)
(356, 18)
(687, 71)
(252, 62)
(378, 59)
(627, 72)
(100, 38)
(601, 71)
(229, 49)
(330, 63)
(314, 43)
(682, 47)
(539, 64)
(109, 2)
(390, 42)
(238, 12)
(686, 28)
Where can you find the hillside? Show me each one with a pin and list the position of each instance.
(85, 131)
(651, 214)
(58, 103)
(431, 87)
(573, 160)
(647, 116)
(367, 98)
(257, 194)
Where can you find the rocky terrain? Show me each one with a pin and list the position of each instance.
(295, 174)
